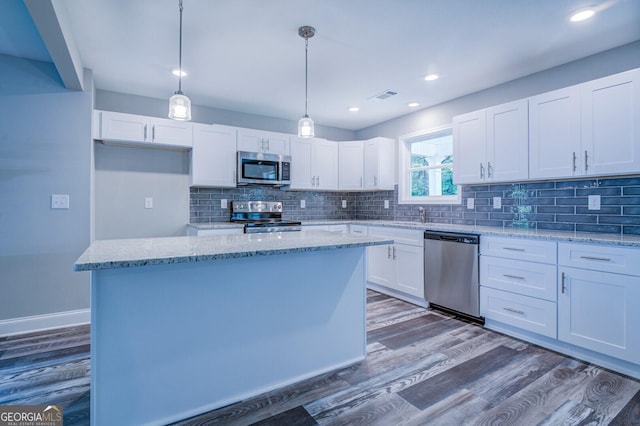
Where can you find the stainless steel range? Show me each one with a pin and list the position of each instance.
(262, 216)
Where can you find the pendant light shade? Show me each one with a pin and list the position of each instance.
(179, 103)
(305, 124)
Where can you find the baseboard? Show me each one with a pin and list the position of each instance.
(44, 322)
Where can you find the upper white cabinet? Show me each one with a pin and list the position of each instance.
(592, 129)
(554, 134)
(491, 145)
(252, 140)
(351, 165)
(314, 164)
(379, 164)
(138, 129)
(213, 157)
(611, 124)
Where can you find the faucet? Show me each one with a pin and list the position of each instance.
(423, 215)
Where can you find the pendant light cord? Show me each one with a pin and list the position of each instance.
(180, 52)
(306, 74)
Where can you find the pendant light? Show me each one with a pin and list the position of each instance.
(305, 124)
(179, 104)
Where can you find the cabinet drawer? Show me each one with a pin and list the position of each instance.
(527, 313)
(525, 278)
(621, 260)
(400, 236)
(519, 248)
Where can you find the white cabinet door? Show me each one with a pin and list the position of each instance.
(598, 311)
(381, 266)
(171, 132)
(325, 165)
(116, 126)
(379, 164)
(351, 162)
(409, 269)
(554, 134)
(469, 147)
(301, 163)
(507, 142)
(611, 124)
(252, 140)
(213, 157)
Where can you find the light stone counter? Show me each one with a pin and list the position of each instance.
(126, 253)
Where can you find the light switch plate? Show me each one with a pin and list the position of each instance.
(223, 203)
(344, 204)
(594, 202)
(59, 201)
(148, 203)
(386, 204)
(471, 203)
(497, 202)
(303, 204)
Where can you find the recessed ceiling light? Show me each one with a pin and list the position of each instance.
(431, 77)
(413, 104)
(582, 15)
(354, 109)
(178, 73)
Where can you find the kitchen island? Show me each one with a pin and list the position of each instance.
(184, 325)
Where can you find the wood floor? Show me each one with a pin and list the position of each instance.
(422, 368)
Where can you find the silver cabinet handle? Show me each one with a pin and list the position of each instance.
(394, 252)
(574, 161)
(586, 161)
(318, 180)
(515, 277)
(481, 171)
(388, 252)
(489, 170)
(513, 249)
(268, 145)
(562, 283)
(515, 311)
(602, 259)
(145, 132)
(360, 181)
(153, 133)
(375, 181)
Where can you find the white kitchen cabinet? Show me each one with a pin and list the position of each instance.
(599, 290)
(379, 164)
(491, 145)
(610, 109)
(252, 140)
(213, 157)
(399, 266)
(314, 164)
(351, 165)
(554, 134)
(142, 130)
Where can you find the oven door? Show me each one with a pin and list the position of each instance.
(258, 168)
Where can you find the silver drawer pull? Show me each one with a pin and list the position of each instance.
(513, 248)
(515, 311)
(515, 277)
(603, 259)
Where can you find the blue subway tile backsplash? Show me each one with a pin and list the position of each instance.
(559, 205)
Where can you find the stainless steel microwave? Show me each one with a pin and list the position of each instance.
(258, 168)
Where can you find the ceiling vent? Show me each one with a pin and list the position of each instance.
(383, 95)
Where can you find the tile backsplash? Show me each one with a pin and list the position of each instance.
(558, 205)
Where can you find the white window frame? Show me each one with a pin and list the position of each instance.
(404, 177)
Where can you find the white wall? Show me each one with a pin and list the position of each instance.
(125, 176)
(45, 148)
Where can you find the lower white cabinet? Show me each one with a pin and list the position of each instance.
(399, 266)
(598, 310)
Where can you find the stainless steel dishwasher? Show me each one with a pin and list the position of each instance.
(451, 273)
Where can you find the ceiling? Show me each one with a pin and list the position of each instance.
(246, 55)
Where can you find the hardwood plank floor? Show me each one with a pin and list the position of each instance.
(422, 368)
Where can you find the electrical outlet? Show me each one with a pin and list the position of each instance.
(386, 204)
(59, 201)
(303, 204)
(471, 203)
(148, 203)
(497, 202)
(344, 204)
(594, 202)
(223, 203)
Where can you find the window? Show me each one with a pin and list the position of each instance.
(426, 168)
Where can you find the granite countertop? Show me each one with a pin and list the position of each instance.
(582, 237)
(126, 253)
